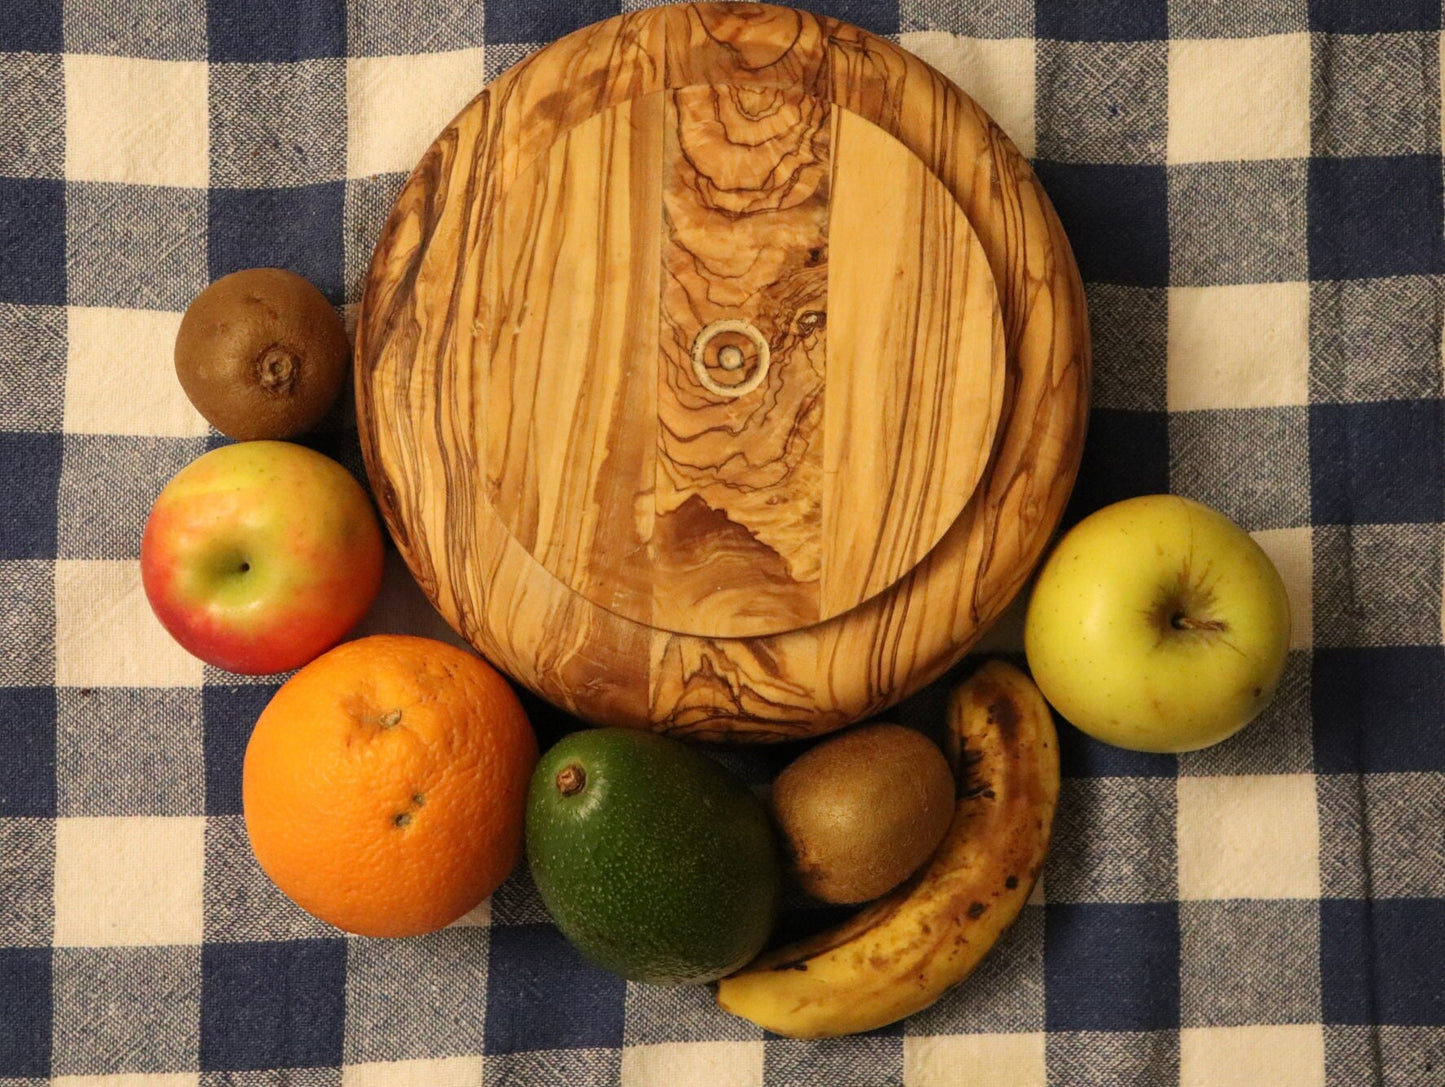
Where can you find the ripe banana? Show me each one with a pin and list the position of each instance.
(902, 952)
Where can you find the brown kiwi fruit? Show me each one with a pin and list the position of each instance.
(261, 354)
(862, 811)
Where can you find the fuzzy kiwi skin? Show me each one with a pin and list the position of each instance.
(261, 354)
(861, 812)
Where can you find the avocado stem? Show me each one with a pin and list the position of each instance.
(571, 779)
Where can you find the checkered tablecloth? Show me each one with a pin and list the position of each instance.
(1254, 191)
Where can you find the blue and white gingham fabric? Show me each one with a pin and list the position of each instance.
(1254, 191)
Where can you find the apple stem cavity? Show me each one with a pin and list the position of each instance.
(1180, 621)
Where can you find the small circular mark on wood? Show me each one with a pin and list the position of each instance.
(726, 348)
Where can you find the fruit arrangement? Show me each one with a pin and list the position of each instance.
(394, 782)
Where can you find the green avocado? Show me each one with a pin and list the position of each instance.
(655, 861)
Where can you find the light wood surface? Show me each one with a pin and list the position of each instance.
(609, 243)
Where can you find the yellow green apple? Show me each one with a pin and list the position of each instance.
(1158, 624)
(259, 556)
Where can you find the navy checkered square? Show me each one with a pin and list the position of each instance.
(1378, 817)
(1378, 585)
(1382, 961)
(28, 493)
(1113, 1058)
(241, 904)
(1378, 710)
(1116, 217)
(873, 1058)
(1127, 454)
(107, 486)
(526, 22)
(1129, 862)
(1375, 217)
(1081, 755)
(27, 623)
(1377, 462)
(1356, 111)
(27, 773)
(272, 1005)
(1129, 330)
(275, 30)
(32, 241)
(526, 966)
(1376, 339)
(1112, 966)
(1248, 961)
(25, 1011)
(230, 712)
(1364, 17)
(1105, 21)
(36, 27)
(297, 228)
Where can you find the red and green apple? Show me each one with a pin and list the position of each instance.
(258, 557)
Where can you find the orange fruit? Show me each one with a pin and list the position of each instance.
(385, 784)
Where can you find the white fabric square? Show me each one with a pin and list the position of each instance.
(1253, 1056)
(396, 106)
(998, 73)
(111, 354)
(137, 122)
(1292, 552)
(106, 634)
(694, 1064)
(129, 881)
(1250, 836)
(945, 1061)
(1244, 345)
(1239, 98)
(444, 1072)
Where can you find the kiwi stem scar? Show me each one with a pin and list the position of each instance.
(276, 369)
(571, 779)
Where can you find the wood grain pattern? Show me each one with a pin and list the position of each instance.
(476, 515)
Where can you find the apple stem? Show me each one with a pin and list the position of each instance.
(1185, 622)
